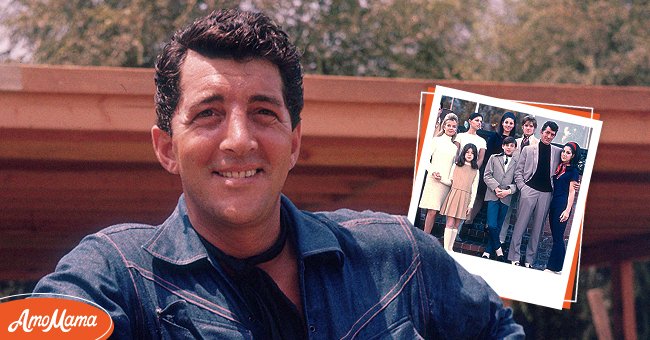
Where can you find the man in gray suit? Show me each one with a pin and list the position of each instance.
(498, 177)
(533, 174)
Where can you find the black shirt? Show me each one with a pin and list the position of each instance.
(541, 180)
(272, 314)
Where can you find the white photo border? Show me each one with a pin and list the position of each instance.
(513, 282)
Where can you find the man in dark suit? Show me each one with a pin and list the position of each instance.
(533, 174)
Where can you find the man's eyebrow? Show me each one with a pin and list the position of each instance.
(209, 99)
(264, 98)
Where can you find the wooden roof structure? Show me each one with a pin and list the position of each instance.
(76, 156)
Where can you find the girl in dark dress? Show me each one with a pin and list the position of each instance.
(495, 139)
(566, 175)
(507, 126)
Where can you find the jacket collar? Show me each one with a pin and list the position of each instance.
(314, 235)
(176, 241)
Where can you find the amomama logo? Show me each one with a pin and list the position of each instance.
(53, 318)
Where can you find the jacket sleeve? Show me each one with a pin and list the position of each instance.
(519, 170)
(557, 152)
(461, 305)
(447, 180)
(488, 175)
(512, 186)
(432, 157)
(94, 271)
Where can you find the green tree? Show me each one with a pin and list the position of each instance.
(568, 41)
(345, 37)
(101, 32)
(576, 323)
(642, 298)
(415, 39)
(586, 42)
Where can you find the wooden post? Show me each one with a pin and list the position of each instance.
(623, 309)
(599, 314)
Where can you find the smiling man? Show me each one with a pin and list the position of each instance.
(533, 175)
(236, 259)
(233, 145)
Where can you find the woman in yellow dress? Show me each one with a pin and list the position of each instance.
(438, 179)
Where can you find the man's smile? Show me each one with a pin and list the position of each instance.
(238, 174)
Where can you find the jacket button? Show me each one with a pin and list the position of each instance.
(312, 328)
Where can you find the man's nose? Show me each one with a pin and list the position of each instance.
(239, 135)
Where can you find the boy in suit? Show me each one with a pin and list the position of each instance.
(499, 179)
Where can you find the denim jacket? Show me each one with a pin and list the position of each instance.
(362, 275)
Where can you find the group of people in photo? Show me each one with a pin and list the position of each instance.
(476, 167)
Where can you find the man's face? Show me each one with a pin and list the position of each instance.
(528, 128)
(509, 148)
(476, 123)
(232, 142)
(547, 135)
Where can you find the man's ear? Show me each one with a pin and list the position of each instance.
(295, 144)
(162, 145)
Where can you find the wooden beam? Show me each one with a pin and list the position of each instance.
(137, 81)
(623, 309)
(599, 316)
(77, 79)
(104, 98)
(616, 249)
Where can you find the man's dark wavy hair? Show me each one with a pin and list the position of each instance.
(229, 34)
(550, 124)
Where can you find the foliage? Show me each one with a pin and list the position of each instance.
(100, 32)
(641, 284)
(575, 323)
(569, 41)
(343, 37)
(385, 38)
(587, 42)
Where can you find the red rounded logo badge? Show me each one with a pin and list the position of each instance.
(52, 316)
